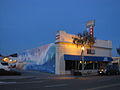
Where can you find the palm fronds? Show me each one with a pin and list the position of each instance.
(84, 39)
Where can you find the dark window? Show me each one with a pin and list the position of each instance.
(69, 65)
(95, 66)
(89, 66)
(4, 64)
(90, 51)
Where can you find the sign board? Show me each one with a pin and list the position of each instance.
(90, 23)
(105, 59)
(58, 35)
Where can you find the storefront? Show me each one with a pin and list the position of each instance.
(69, 56)
(90, 62)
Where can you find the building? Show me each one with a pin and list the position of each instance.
(63, 56)
(68, 55)
(116, 61)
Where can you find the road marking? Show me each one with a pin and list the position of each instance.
(104, 86)
(2, 83)
(30, 82)
(57, 85)
(39, 78)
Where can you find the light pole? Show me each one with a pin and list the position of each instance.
(82, 57)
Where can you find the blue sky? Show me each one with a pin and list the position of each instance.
(26, 24)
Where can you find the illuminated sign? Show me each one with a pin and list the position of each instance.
(58, 35)
(90, 23)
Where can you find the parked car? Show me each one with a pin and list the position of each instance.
(4, 66)
(109, 70)
(6, 70)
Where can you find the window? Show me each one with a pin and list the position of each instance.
(69, 65)
(88, 66)
(4, 64)
(90, 51)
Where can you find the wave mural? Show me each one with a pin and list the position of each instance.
(41, 58)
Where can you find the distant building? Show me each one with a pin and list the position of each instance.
(63, 56)
(116, 61)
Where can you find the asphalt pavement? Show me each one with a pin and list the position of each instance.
(31, 80)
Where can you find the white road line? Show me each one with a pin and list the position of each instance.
(2, 83)
(105, 86)
(57, 85)
(30, 82)
(38, 78)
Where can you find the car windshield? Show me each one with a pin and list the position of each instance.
(5, 64)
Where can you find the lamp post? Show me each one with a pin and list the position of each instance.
(82, 57)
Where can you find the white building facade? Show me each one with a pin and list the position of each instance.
(68, 55)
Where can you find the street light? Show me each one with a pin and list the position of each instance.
(83, 48)
(82, 57)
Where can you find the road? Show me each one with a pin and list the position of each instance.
(62, 83)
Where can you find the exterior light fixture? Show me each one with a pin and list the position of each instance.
(6, 59)
(80, 61)
(83, 48)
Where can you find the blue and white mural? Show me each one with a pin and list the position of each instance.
(41, 58)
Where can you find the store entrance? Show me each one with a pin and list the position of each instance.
(88, 65)
(72, 64)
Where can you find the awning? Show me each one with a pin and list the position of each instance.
(86, 58)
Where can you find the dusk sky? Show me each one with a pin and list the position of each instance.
(27, 24)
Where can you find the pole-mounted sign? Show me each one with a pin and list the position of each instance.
(90, 24)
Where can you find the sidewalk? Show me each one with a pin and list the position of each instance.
(28, 74)
(42, 75)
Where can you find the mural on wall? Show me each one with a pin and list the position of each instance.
(41, 58)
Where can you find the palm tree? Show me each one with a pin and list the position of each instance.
(83, 39)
